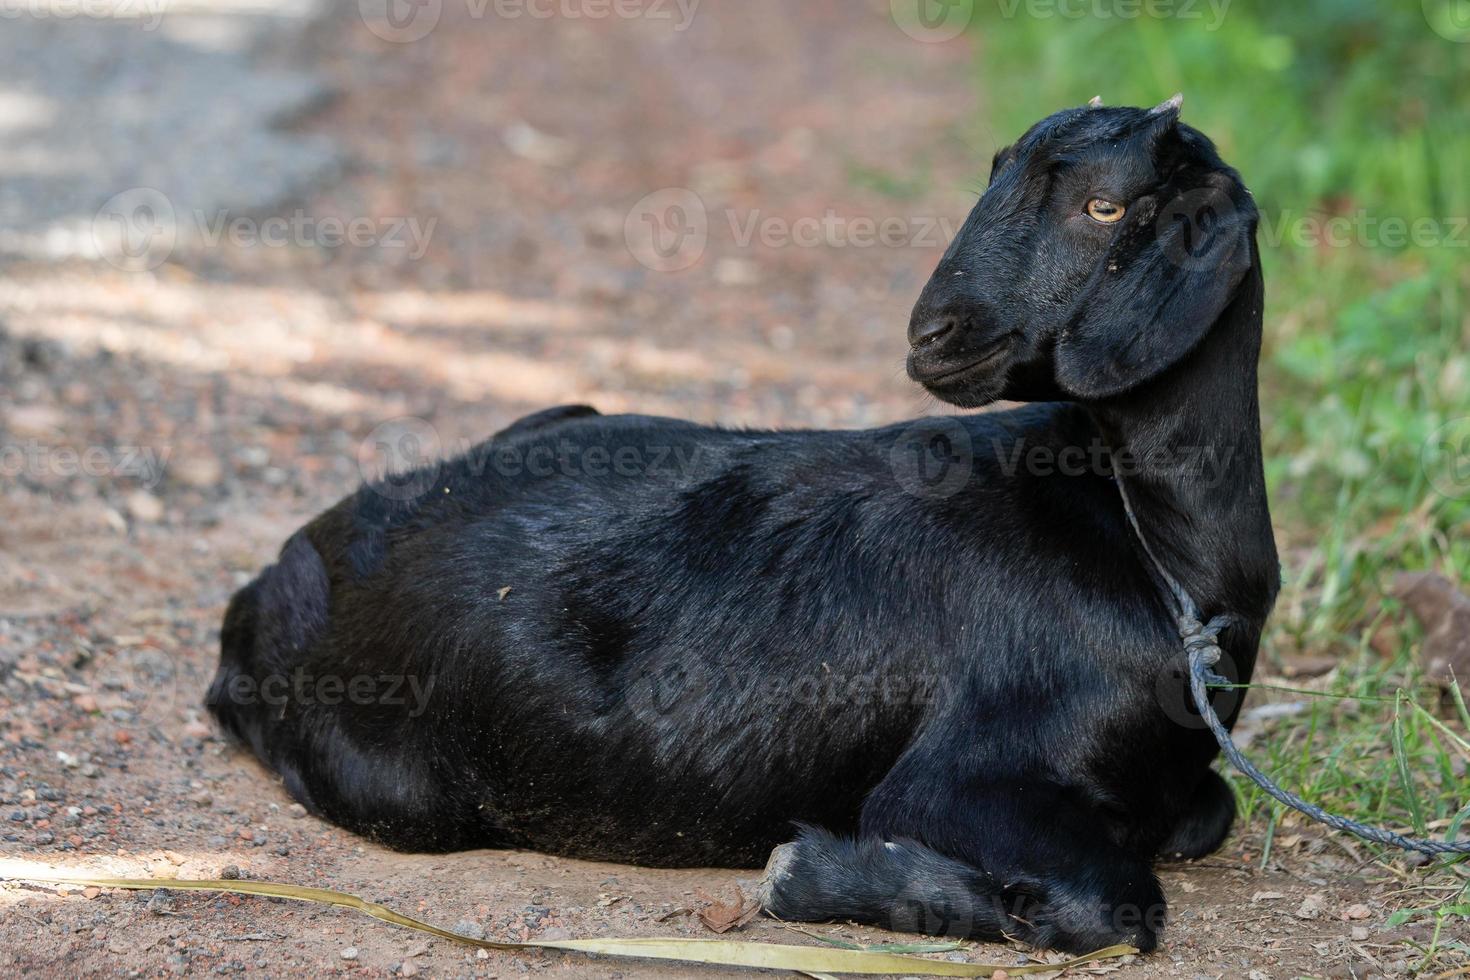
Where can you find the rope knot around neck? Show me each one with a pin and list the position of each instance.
(1202, 648)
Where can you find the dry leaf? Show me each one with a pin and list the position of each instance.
(1296, 667)
(721, 917)
(1444, 612)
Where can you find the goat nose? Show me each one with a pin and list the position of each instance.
(925, 332)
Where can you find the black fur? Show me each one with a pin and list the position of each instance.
(932, 652)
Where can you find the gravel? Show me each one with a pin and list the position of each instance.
(193, 109)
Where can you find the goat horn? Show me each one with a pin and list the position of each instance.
(1170, 105)
(1095, 102)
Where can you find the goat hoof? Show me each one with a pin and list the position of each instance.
(778, 870)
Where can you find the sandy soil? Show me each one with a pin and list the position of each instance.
(216, 402)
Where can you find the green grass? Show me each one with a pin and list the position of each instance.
(1351, 109)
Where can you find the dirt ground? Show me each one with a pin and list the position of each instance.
(217, 401)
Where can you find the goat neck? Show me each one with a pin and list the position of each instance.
(1187, 447)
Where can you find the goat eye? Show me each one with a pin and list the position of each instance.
(1105, 212)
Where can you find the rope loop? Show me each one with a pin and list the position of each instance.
(1202, 648)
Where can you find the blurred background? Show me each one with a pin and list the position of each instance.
(251, 250)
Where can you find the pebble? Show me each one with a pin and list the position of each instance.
(161, 902)
(144, 506)
(470, 929)
(350, 953)
(1311, 907)
(296, 810)
(45, 837)
(200, 472)
(231, 873)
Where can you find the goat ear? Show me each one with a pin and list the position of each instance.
(998, 162)
(1168, 276)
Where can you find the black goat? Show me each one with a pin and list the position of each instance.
(933, 654)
